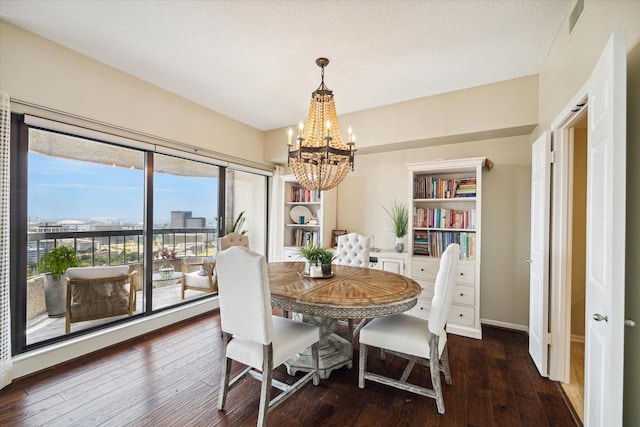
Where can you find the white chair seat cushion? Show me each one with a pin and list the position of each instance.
(289, 338)
(195, 280)
(402, 333)
(97, 272)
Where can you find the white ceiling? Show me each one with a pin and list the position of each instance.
(254, 60)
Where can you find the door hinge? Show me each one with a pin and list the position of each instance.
(552, 157)
(548, 339)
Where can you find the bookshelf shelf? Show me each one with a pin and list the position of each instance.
(322, 206)
(446, 207)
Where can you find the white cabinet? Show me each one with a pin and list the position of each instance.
(446, 207)
(389, 261)
(318, 209)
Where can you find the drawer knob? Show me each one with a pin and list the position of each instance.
(461, 294)
(422, 269)
(460, 314)
(462, 274)
(421, 308)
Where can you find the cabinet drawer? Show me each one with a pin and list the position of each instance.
(421, 309)
(427, 287)
(462, 315)
(291, 255)
(466, 274)
(423, 269)
(464, 295)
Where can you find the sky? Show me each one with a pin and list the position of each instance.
(63, 189)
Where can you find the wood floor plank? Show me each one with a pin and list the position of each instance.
(171, 377)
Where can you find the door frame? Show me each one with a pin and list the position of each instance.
(561, 235)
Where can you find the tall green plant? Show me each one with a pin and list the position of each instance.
(399, 216)
(58, 260)
(237, 225)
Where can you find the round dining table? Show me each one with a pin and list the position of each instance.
(348, 293)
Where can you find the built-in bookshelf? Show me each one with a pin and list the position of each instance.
(318, 209)
(445, 208)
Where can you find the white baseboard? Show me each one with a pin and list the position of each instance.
(505, 325)
(46, 357)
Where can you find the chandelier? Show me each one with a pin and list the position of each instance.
(321, 160)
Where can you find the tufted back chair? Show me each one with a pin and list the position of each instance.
(353, 250)
(233, 239)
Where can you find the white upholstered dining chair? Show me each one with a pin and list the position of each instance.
(414, 338)
(353, 250)
(252, 335)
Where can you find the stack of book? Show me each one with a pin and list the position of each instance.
(307, 238)
(431, 187)
(302, 195)
(444, 218)
(466, 188)
(434, 243)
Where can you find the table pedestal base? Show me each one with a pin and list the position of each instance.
(334, 351)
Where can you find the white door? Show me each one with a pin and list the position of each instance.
(539, 254)
(604, 331)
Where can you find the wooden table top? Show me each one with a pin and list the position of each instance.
(352, 292)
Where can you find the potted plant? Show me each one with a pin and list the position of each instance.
(55, 264)
(237, 225)
(399, 216)
(325, 258)
(167, 269)
(316, 256)
(310, 255)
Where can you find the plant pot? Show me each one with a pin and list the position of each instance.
(166, 271)
(399, 247)
(326, 269)
(55, 295)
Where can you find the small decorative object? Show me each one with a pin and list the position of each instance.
(165, 254)
(315, 271)
(313, 221)
(166, 271)
(399, 216)
(334, 237)
(317, 259)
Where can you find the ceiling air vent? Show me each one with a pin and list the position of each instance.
(575, 15)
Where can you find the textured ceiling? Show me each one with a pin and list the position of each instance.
(254, 61)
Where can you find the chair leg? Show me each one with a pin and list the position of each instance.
(363, 365)
(224, 383)
(225, 374)
(434, 366)
(316, 363)
(444, 359)
(267, 375)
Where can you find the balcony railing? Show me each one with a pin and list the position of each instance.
(111, 247)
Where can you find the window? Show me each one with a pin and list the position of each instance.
(103, 197)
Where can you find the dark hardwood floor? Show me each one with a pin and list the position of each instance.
(170, 378)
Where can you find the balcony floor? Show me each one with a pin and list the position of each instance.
(44, 327)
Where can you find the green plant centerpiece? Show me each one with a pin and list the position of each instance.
(55, 264)
(317, 256)
(399, 219)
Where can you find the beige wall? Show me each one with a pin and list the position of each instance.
(38, 71)
(497, 110)
(565, 71)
